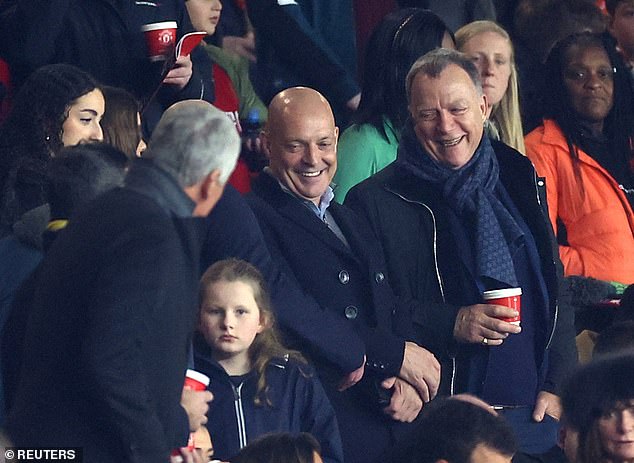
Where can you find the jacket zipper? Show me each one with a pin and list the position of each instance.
(237, 405)
(438, 276)
(552, 331)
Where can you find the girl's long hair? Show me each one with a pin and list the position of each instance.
(505, 114)
(267, 344)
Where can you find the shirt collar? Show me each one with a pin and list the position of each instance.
(324, 201)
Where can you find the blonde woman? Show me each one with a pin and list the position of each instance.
(490, 48)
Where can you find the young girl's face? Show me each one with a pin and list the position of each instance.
(230, 319)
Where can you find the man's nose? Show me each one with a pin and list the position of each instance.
(445, 121)
(311, 155)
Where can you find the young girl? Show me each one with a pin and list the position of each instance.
(259, 386)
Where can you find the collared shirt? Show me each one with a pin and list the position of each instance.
(320, 211)
(324, 201)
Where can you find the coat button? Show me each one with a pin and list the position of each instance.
(344, 277)
(351, 312)
(379, 277)
(540, 183)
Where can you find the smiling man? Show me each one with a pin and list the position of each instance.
(337, 260)
(457, 215)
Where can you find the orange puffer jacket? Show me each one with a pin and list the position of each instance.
(598, 219)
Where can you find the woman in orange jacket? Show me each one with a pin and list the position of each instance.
(584, 151)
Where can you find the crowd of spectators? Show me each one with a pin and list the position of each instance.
(281, 245)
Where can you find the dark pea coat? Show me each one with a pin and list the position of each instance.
(352, 283)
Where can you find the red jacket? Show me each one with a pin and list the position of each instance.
(598, 218)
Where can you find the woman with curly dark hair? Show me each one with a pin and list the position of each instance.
(584, 149)
(58, 105)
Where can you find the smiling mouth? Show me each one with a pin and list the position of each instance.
(451, 142)
(311, 174)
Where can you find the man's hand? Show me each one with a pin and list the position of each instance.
(420, 369)
(547, 404)
(405, 404)
(196, 406)
(180, 74)
(478, 322)
(242, 46)
(352, 378)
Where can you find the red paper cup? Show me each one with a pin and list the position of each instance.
(160, 39)
(196, 381)
(508, 297)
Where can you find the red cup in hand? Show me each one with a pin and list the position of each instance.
(160, 39)
(508, 297)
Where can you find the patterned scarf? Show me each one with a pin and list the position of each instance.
(470, 193)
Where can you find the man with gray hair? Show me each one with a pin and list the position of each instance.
(106, 346)
(459, 215)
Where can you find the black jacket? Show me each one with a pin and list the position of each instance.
(106, 346)
(406, 214)
(352, 284)
(298, 403)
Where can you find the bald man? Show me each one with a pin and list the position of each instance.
(337, 260)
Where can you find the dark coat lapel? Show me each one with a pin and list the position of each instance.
(291, 208)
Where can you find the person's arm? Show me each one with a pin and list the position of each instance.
(545, 159)
(285, 29)
(233, 231)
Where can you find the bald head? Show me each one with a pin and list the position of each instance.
(192, 139)
(301, 141)
(297, 100)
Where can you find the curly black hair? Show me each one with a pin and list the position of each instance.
(33, 129)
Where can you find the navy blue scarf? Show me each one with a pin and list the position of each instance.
(470, 193)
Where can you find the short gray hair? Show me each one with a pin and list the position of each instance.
(191, 140)
(436, 61)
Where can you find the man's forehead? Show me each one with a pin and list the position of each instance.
(450, 81)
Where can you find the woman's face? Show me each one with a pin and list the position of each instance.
(82, 122)
(491, 53)
(204, 14)
(616, 430)
(589, 81)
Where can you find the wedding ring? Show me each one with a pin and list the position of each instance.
(485, 341)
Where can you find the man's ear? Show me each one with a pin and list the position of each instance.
(209, 182)
(266, 143)
(484, 107)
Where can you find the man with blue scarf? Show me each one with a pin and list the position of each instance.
(459, 215)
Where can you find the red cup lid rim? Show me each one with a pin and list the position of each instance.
(498, 293)
(160, 25)
(197, 376)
